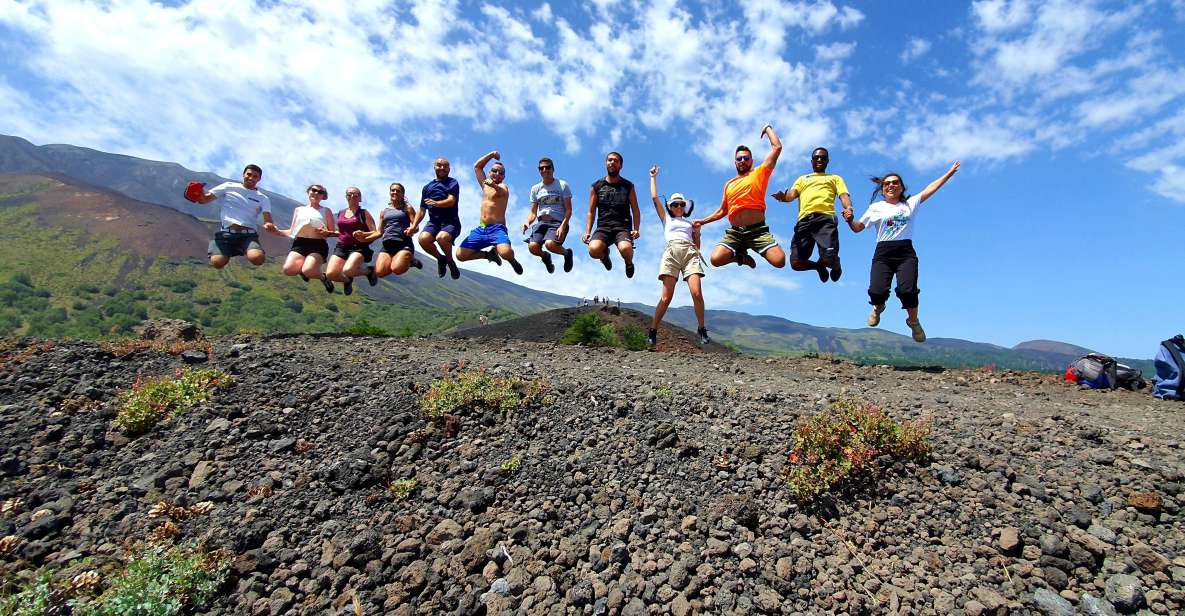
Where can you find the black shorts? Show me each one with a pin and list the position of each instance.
(398, 245)
(612, 235)
(345, 251)
(233, 243)
(305, 246)
(821, 229)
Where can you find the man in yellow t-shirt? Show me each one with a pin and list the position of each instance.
(744, 204)
(816, 193)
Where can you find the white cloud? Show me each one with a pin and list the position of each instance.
(1001, 15)
(914, 49)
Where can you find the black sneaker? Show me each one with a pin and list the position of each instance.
(328, 284)
(416, 263)
(303, 277)
(629, 269)
(547, 263)
(821, 270)
(836, 270)
(518, 268)
(567, 259)
(492, 257)
(652, 338)
(608, 263)
(703, 335)
(348, 287)
(743, 258)
(452, 269)
(441, 263)
(371, 276)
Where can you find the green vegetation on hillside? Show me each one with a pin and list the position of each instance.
(78, 287)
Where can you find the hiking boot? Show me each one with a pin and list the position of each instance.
(547, 263)
(919, 334)
(303, 277)
(453, 270)
(607, 262)
(371, 276)
(492, 257)
(416, 263)
(629, 269)
(703, 335)
(567, 259)
(516, 266)
(328, 284)
(836, 270)
(348, 287)
(874, 317)
(821, 270)
(441, 264)
(652, 338)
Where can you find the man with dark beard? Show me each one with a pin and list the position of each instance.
(614, 204)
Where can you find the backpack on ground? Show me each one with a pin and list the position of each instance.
(1170, 369)
(1094, 370)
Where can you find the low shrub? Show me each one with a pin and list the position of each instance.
(151, 401)
(589, 330)
(843, 444)
(512, 464)
(633, 338)
(401, 489)
(478, 391)
(362, 327)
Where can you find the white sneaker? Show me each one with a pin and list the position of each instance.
(919, 334)
(874, 317)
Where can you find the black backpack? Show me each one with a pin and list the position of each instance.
(1098, 371)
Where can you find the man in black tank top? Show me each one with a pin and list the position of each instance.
(614, 203)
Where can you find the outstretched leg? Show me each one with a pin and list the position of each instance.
(664, 299)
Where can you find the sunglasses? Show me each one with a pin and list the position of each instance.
(819, 158)
(545, 167)
(498, 170)
(744, 158)
(891, 183)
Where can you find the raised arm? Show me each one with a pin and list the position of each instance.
(592, 211)
(936, 184)
(775, 150)
(654, 194)
(479, 167)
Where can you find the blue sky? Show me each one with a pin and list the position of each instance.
(1063, 222)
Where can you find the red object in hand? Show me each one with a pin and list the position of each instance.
(195, 190)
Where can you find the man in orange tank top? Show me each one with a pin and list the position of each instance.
(744, 204)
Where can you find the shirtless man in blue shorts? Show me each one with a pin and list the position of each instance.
(491, 231)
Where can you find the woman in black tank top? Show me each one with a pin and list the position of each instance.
(396, 229)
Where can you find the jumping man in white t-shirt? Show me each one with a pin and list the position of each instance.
(241, 204)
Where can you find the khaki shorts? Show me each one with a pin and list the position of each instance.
(752, 237)
(681, 259)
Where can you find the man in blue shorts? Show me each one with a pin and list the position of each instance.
(439, 201)
(551, 210)
(492, 230)
(240, 203)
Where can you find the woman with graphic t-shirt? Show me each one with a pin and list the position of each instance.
(894, 216)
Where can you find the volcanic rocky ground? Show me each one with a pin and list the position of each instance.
(653, 484)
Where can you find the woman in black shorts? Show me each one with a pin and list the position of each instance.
(396, 229)
(354, 225)
(311, 224)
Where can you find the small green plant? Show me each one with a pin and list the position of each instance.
(151, 401)
(589, 330)
(163, 580)
(633, 338)
(401, 489)
(479, 391)
(362, 327)
(843, 443)
(663, 391)
(34, 599)
(512, 465)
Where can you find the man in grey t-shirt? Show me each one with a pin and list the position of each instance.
(551, 209)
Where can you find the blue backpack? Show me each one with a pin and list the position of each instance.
(1170, 369)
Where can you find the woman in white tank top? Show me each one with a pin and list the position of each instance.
(311, 224)
(680, 259)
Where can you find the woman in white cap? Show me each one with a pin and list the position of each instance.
(681, 258)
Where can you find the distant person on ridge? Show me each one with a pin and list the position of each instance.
(395, 229)
(681, 258)
(816, 193)
(352, 253)
(491, 231)
(311, 225)
(895, 216)
(241, 204)
(551, 211)
(439, 201)
(744, 204)
(614, 203)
